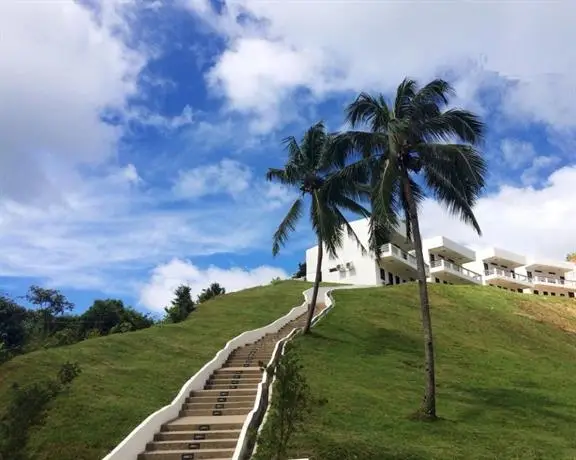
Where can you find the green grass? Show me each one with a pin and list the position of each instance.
(126, 377)
(506, 370)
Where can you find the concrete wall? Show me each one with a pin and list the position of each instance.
(364, 271)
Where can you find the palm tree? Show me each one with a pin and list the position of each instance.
(411, 149)
(312, 169)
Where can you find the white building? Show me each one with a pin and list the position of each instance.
(447, 262)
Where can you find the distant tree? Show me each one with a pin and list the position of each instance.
(12, 323)
(49, 303)
(182, 305)
(111, 316)
(571, 257)
(301, 272)
(212, 291)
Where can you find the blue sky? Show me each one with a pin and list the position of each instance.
(136, 134)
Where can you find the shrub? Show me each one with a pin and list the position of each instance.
(291, 402)
(27, 407)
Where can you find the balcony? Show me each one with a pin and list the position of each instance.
(452, 273)
(399, 262)
(553, 284)
(507, 279)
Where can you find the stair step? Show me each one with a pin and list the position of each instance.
(227, 386)
(218, 405)
(217, 454)
(219, 399)
(212, 427)
(227, 392)
(215, 412)
(199, 444)
(193, 435)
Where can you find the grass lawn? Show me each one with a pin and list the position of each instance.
(506, 370)
(126, 377)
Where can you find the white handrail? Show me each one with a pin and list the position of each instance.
(457, 268)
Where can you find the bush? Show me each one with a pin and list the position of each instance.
(27, 407)
(291, 402)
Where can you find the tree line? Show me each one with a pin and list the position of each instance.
(394, 155)
(49, 321)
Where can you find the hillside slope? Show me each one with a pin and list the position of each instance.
(125, 377)
(506, 368)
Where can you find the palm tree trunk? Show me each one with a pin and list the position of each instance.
(428, 409)
(312, 305)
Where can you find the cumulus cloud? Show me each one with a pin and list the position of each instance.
(226, 176)
(530, 221)
(159, 290)
(61, 68)
(287, 51)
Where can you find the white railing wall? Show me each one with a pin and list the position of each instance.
(136, 441)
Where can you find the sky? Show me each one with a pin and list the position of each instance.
(135, 135)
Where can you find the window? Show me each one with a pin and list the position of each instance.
(485, 266)
(390, 278)
(571, 295)
(553, 293)
(545, 293)
(382, 274)
(437, 280)
(520, 290)
(536, 292)
(333, 269)
(397, 278)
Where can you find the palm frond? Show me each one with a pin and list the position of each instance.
(313, 145)
(404, 95)
(287, 176)
(287, 226)
(454, 124)
(350, 230)
(438, 92)
(370, 111)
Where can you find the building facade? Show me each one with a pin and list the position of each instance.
(446, 262)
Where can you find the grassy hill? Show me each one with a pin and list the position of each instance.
(506, 369)
(125, 377)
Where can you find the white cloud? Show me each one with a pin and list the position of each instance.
(540, 165)
(517, 153)
(539, 222)
(107, 228)
(60, 69)
(227, 176)
(159, 290)
(373, 45)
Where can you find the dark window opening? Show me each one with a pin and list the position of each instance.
(397, 279)
(390, 278)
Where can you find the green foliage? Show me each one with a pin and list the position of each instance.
(111, 316)
(301, 272)
(291, 402)
(27, 408)
(275, 280)
(212, 291)
(49, 303)
(12, 324)
(312, 169)
(182, 305)
(571, 257)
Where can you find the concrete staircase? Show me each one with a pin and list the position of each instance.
(211, 419)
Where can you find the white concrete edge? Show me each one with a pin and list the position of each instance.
(242, 445)
(136, 441)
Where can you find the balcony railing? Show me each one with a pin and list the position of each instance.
(394, 250)
(456, 268)
(507, 274)
(555, 281)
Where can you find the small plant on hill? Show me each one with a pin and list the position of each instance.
(301, 272)
(27, 408)
(214, 290)
(275, 281)
(290, 403)
(182, 305)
